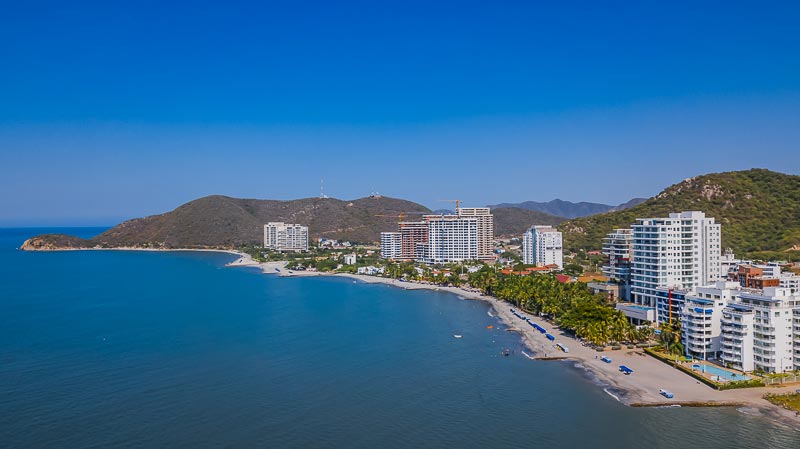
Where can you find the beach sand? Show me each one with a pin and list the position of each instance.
(638, 389)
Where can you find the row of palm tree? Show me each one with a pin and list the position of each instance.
(571, 305)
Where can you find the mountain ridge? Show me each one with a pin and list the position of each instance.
(759, 210)
(569, 209)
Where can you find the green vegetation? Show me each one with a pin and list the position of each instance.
(572, 305)
(670, 338)
(759, 211)
(790, 401)
(513, 221)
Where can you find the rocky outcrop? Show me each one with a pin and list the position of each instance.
(54, 242)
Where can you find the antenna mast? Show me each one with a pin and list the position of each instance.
(322, 188)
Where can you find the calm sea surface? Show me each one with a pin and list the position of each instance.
(135, 349)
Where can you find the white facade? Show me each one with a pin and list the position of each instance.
(791, 281)
(737, 337)
(701, 318)
(350, 259)
(763, 323)
(771, 270)
(542, 245)
(679, 252)
(796, 343)
(451, 238)
(391, 245)
(281, 236)
(485, 232)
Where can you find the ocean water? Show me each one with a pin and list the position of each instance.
(136, 349)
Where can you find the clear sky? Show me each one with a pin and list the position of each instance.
(112, 111)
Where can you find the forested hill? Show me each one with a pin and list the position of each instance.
(221, 221)
(759, 211)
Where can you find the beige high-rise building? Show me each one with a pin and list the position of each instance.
(485, 223)
(280, 236)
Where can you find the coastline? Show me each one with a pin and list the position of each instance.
(641, 389)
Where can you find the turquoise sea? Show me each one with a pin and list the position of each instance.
(150, 350)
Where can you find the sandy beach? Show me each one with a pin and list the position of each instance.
(638, 389)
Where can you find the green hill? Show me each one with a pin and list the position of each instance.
(221, 221)
(759, 211)
(513, 221)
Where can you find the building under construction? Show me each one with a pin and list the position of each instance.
(437, 239)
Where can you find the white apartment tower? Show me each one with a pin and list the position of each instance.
(391, 245)
(485, 223)
(681, 251)
(542, 245)
(701, 318)
(451, 238)
(281, 236)
(758, 331)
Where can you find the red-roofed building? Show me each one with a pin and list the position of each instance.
(563, 278)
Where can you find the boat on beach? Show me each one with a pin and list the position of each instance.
(666, 394)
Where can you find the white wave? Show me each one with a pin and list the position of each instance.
(612, 394)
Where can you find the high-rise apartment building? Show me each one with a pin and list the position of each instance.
(414, 235)
(681, 251)
(391, 245)
(617, 249)
(280, 236)
(451, 238)
(701, 318)
(485, 223)
(758, 331)
(542, 245)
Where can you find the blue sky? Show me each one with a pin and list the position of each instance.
(109, 112)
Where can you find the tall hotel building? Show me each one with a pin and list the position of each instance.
(542, 245)
(485, 223)
(617, 249)
(281, 236)
(681, 251)
(436, 239)
(451, 238)
(391, 245)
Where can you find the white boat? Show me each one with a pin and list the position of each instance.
(456, 336)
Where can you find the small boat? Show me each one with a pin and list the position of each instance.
(563, 348)
(666, 393)
(625, 370)
(456, 336)
(506, 352)
(550, 337)
(490, 327)
(605, 359)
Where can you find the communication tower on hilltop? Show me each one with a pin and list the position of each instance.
(322, 188)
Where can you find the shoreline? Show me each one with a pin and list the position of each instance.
(640, 389)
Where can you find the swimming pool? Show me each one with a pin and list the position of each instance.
(723, 374)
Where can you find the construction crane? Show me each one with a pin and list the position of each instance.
(457, 202)
(400, 215)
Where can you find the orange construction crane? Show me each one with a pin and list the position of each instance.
(400, 215)
(458, 203)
